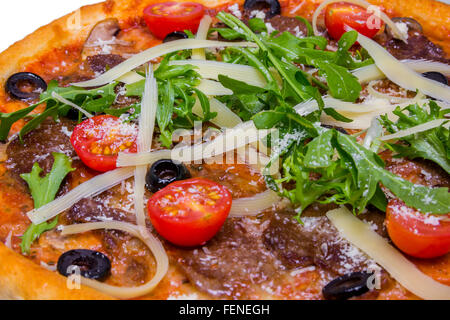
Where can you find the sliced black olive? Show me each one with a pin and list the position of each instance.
(92, 264)
(345, 287)
(410, 22)
(176, 35)
(18, 81)
(436, 76)
(163, 173)
(274, 5)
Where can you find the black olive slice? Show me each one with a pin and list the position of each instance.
(176, 35)
(92, 264)
(436, 76)
(16, 83)
(347, 286)
(163, 173)
(274, 5)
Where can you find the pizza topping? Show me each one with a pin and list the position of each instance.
(166, 17)
(401, 74)
(274, 6)
(379, 249)
(176, 35)
(88, 263)
(190, 212)
(371, 21)
(341, 16)
(164, 172)
(25, 85)
(347, 286)
(99, 140)
(43, 190)
(419, 235)
(436, 76)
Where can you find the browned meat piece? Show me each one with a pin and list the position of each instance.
(38, 145)
(102, 62)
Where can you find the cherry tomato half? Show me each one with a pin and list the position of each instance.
(98, 140)
(167, 17)
(341, 15)
(189, 213)
(419, 235)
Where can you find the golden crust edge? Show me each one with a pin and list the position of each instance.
(21, 278)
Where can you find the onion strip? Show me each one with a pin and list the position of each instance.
(155, 246)
(400, 74)
(153, 53)
(396, 32)
(376, 247)
(416, 129)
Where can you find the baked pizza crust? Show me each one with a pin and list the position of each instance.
(20, 278)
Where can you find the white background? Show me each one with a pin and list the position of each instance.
(19, 18)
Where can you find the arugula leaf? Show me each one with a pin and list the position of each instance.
(8, 119)
(43, 190)
(164, 112)
(309, 28)
(257, 25)
(431, 144)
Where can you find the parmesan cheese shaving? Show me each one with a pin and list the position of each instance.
(401, 269)
(213, 88)
(395, 30)
(162, 261)
(146, 127)
(374, 132)
(375, 93)
(254, 205)
(130, 77)
(73, 105)
(420, 128)
(202, 34)
(400, 74)
(153, 53)
(225, 117)
(212, 69)
(372, 72)
(237, 137)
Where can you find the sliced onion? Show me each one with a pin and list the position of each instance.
(416, 129)
(73, 105)
(89, 188)
(202, 34)
(395, 31)
(252, 206)
(155, 52)
(372, 72)
(376, 247)
(225, 117)
(155, 246)
(400, 74)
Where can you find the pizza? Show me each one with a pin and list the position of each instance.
(276, 149)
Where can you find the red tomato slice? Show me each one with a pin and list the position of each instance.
(341, 15)
(419, 235)
(189, 213)
(167, 17)
(98, 140)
